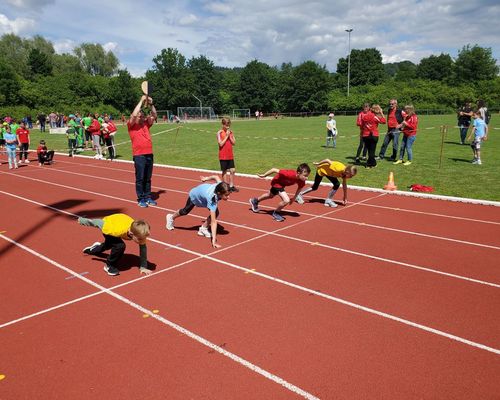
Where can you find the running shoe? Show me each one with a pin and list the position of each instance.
(204, 232)
(278, 217)
(254, 203)
(170, 222)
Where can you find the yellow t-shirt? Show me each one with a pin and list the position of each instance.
(335, 169)
(117, 225)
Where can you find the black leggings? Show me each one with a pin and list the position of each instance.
(318, 178)
(189, 207)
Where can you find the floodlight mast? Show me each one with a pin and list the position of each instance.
(201, 106)
(348, 59)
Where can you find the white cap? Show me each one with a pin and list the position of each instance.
(331, 114)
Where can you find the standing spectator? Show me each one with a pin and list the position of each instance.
(108, 129)
(11, 146)
(257, 114)
(71, 135)
(368, 122)
(142, 149)
(44, 156)
(464, 116)
(95, 130)
(331, 131)
(29, 121)
(480, 133)
(79, 131)
(53, 119)
(395, 117)
(409, 126)
(361, 146)
(2, 132)
(483, 110)
(87, 121)
(225, 138)
(23, 137)
(42, 118)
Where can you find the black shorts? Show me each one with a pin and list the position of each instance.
(226, 164)
(88, 135)
(276, 190)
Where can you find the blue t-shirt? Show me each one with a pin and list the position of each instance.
(480, 126)
(10, 136)
(204, 196)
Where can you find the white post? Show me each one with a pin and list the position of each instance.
(348, 59)
(201, 106)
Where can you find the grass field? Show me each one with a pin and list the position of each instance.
(284, 143)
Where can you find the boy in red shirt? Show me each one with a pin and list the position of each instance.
(225, 138)
(23, 137)
(44, 155)
(283, 178)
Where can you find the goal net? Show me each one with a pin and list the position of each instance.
(195, 113)
(241, 113)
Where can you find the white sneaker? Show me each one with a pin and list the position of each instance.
(299, 199)
(479, 162)
(330, 203)
(26, 161)
(170, 222)
(204, 232)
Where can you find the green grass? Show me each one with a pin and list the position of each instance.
(287, 142)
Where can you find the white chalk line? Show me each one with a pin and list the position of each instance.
(253, 367)
(302, 288)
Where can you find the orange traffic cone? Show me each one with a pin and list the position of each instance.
(390, 184)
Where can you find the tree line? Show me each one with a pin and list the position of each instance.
(34, 78)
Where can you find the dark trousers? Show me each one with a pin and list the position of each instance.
(23, 151)
(111, 148)
(117, 246)
(391, 135)
(46, 158)
(463, 132)
(371, 145)
(318, 178)
(72, 146)
(361, 146)
(143, 173)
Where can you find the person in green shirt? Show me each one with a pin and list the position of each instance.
(87, 121)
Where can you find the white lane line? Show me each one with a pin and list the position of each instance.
(247, 364)
(320, 294)
(374, 226)
(275, 233)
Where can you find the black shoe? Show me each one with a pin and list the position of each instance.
(92, 248)
(111, 270)
(234, 189)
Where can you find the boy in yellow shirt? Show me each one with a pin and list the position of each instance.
(332, 170)
(115, 228)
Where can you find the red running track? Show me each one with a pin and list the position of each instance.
(391, 297)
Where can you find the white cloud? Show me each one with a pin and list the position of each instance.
(188, 19)
(18, 26)
(64, 46)
(111, 46)
(219, 8)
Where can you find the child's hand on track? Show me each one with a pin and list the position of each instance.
(145, 271)
(215, 245)
(261, 175)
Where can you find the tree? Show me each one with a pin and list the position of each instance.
(436, 68)
(15, 51)
(39, 63)
(207, 81)
(307, 87)
(124, 91)
(66, 64)
(366, 67)
(257, 87)
(9, 84)
(95, 60)
(475, 64)
(406, 71)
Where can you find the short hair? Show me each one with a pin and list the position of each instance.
(226, 121)
(140, 228)
(222, 188)
(352, 169)
(42, 141)
(303, 167)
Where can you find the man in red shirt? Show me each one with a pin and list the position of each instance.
(395, 117)
(283, 178)
(23, 137)
(142, 150)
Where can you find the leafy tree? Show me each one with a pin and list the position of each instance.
(257, 87)
(15, 51)
(366, 67)
(475, 64)
(39, 63)
(307, 88)
(207, 81)
(406, 71)
(9, 84)
(124, 91)
(436, 68)
(95, 60)
(66, 64)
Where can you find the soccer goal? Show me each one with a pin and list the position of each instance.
(241, 113)
(195, 113)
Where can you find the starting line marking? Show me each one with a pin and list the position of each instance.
(72, 276)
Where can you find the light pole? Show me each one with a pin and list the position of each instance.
(348, 59)
(201, 106)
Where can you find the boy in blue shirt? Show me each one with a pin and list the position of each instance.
(205, 195)
(480, 133)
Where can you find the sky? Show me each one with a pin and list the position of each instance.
(232, 33)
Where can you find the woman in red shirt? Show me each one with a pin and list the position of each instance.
(409, 127)
(368, 122)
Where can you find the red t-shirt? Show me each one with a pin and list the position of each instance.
(392, 122)
(41, 149)
(141, 138)
(286, 177)
(23, 135)
(368, 123)
(411, 125)
(226, 151)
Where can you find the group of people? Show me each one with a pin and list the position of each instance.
(118, 227)
(398, 121)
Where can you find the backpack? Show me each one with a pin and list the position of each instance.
(421, 188)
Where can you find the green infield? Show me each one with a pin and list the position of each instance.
(285, 143)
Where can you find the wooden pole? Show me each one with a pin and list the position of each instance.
(444, 130)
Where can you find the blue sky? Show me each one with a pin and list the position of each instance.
(232, 33)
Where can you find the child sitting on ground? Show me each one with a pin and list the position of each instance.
(44, 156)
(332, 170)
(283, 178)
(205, 196)
(115, 228)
